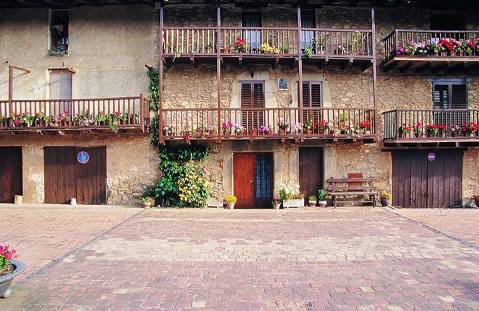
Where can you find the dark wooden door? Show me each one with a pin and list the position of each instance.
(10, 173)
(253, 179)
(420, 183)
(310, 171)
(66, 178)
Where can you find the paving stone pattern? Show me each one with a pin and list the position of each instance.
(296, 259)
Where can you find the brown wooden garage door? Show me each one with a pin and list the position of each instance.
(310, 170)
(429, 178)
(66, 177)
(10, 173)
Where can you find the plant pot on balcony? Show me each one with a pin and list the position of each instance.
(7, 279)
(322, 203)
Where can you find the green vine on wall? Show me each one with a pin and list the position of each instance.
(183, 182)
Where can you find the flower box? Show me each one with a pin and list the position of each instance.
(293, 203)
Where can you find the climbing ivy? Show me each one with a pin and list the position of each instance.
(183, 182)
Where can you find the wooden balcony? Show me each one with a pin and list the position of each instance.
(436, 51)
(268, 43)
(432, 127)
(331, 124)
(98, 114)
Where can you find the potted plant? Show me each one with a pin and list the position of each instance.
(240, 45)
(417, 130)
(365, 127)
(230, 201)
(9, 269)
(312, 200)
(283, 126)
(404, 130)
(276, 202)
(476, 199)
(291, 196)
(385, 198)
(471, 128)
(322, 194)
(148, 202)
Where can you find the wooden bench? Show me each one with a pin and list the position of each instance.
(352, 187)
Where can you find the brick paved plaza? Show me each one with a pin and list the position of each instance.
(111, 258)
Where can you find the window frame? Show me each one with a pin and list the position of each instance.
(449, 83)
(51, 12)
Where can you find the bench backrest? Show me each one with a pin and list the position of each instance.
(350, 184)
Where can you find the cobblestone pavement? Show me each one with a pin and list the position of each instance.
(296, 259)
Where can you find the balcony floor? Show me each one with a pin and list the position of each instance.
(432, 65)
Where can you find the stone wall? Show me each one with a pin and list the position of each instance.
(108, 50)
(132, 164)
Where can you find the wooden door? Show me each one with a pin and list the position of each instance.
(419, 182)
(66, 177)
(253, 179)
(10, 173)
(243, 171)
(61, 88)
(310, 171)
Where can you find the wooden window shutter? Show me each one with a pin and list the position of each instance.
(441, 96)
(252, 96)
(459, 96)
(311, 99)
(316, 95)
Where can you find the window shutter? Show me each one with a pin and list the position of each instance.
(252, 96)
(441, 96)
(459, 96)
(315, 95)
(311, 99)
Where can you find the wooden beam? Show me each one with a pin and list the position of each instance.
(160, 76)
(218, 65)
(300, 69)
(375, 83)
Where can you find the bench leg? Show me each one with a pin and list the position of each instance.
(334, 201)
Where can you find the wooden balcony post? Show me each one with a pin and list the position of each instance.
(160, 77)
(300, 71)
(10, 89)
(218, 64)
(142, 113)
(375, 73)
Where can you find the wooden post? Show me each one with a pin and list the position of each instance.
(142, 114)
(218, 64)
(10, 89)
(300, 72)
(160, 77)
(375, 86)
(10, 85)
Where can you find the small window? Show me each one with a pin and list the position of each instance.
(447, 21)
(59, 39)
(283, 84)
(450, 94)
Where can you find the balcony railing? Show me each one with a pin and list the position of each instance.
(436, 44)
(268, 123)
(431, 125)
(268, 42)
(75, 114)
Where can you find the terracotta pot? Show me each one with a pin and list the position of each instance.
(385, 202)
(231, 205)
(322, 203)
(276, 206)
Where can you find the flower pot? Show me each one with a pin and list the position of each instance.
(276, 206)
(385, 202)
(312, 203)
(322, 203)
(476, 200)
(230, 205)
(367, 132)
(6, 280)
(293, 203)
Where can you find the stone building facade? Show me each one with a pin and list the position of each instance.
(109, 46)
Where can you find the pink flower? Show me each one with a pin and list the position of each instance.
(3, 248)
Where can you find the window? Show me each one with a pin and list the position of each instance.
(282, 84)
(59, 32)
(251, 18)
(252, 96)
(450, 94)
(312, 98)
(447, 21)
(308, 20)
(60, 87)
